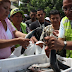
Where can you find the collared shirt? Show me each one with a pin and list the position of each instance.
(47, 31)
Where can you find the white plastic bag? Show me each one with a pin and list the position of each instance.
(17, 51)
(12, 56)
(30, 49)
(40, 50)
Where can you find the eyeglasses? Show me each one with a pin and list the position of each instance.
(65, 9)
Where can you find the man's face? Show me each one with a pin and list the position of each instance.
(33, 15)
(40, 15)
(55, 19)
(67, 5)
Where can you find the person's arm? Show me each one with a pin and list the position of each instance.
(19, 34)
(33, 39)
(6, 43)
(54, 43)
(69, 45)
(61, 35)
(61, 39)
(56, 33)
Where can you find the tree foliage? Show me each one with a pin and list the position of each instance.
(47, 5)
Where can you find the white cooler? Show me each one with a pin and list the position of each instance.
(19, 63)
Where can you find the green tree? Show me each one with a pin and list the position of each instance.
(47, 5)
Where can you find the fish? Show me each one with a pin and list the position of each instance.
(30, 34)
(36, 32)
(56, 65)
(44, 65)
(53, 61)
(39, 67)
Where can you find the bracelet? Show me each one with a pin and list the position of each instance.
(65, 44)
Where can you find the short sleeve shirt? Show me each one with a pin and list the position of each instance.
(47, 31)
(61, 31)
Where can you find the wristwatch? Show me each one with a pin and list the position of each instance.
(65, 44)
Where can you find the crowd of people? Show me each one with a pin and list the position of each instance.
(53, 31)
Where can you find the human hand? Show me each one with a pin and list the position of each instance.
(40, 43)
(47, 51)
(54, 43)
(23, 42)
(33, 39)
(56, 33)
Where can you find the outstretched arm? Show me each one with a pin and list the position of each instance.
(19, 34)
(54, 43)
(6, 43)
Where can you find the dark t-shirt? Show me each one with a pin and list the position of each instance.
(36, 24)
(28, 22)
(38, 30)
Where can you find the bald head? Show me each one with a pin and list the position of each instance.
(67, 4)
(67, 1)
